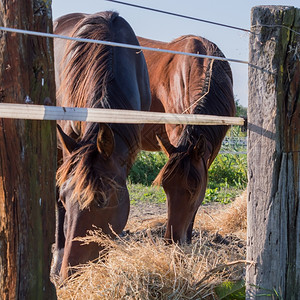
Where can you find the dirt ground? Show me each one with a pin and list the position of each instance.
(218, 225)
(227, 218)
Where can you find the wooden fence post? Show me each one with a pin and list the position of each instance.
(27, 154)
(273, 241)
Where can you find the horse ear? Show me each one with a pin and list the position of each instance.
(66, 141)
(105, 140)
(200, 147)
(76, 126)
(165, 146)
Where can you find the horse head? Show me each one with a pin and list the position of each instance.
(184, 179)
(92, 187)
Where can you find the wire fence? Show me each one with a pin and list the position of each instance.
(180, 15)
(137, 47)
(202, 20)
(234, 145)
(56, 113)
(122, 45)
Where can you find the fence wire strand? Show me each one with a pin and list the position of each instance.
(136, 47)
(180, 15)
(198, 19)
(114, 44)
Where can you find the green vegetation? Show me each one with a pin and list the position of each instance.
(241, 111)
(139, 192)
(231, 290)
(228, 173)
(142, 174)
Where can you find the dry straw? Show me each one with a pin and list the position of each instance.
(231, 219)
(142, 266)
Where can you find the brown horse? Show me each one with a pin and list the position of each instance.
(96, 157)
(186, 85)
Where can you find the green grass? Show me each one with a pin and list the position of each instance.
(227, 178)
(139, 192)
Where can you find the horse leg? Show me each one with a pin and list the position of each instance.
(190, 230)
(60, 217)
(59, 238)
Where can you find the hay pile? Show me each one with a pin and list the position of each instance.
(140, 266)
(231, 219)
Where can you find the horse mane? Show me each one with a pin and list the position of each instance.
(88, 81)
(180, 164)
(212, 96)
(88, 67)
(216, 98)
(81, 174)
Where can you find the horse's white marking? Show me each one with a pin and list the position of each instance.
(56, 261)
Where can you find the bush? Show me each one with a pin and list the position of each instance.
(146, 167)
(227, 177)
(230, 169)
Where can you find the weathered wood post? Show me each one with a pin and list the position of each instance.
(27, 154)
(273, 154)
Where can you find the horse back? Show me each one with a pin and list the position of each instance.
(128, 66)
(185, 84)
(174, 76)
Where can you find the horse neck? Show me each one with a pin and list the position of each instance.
(127, 144)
